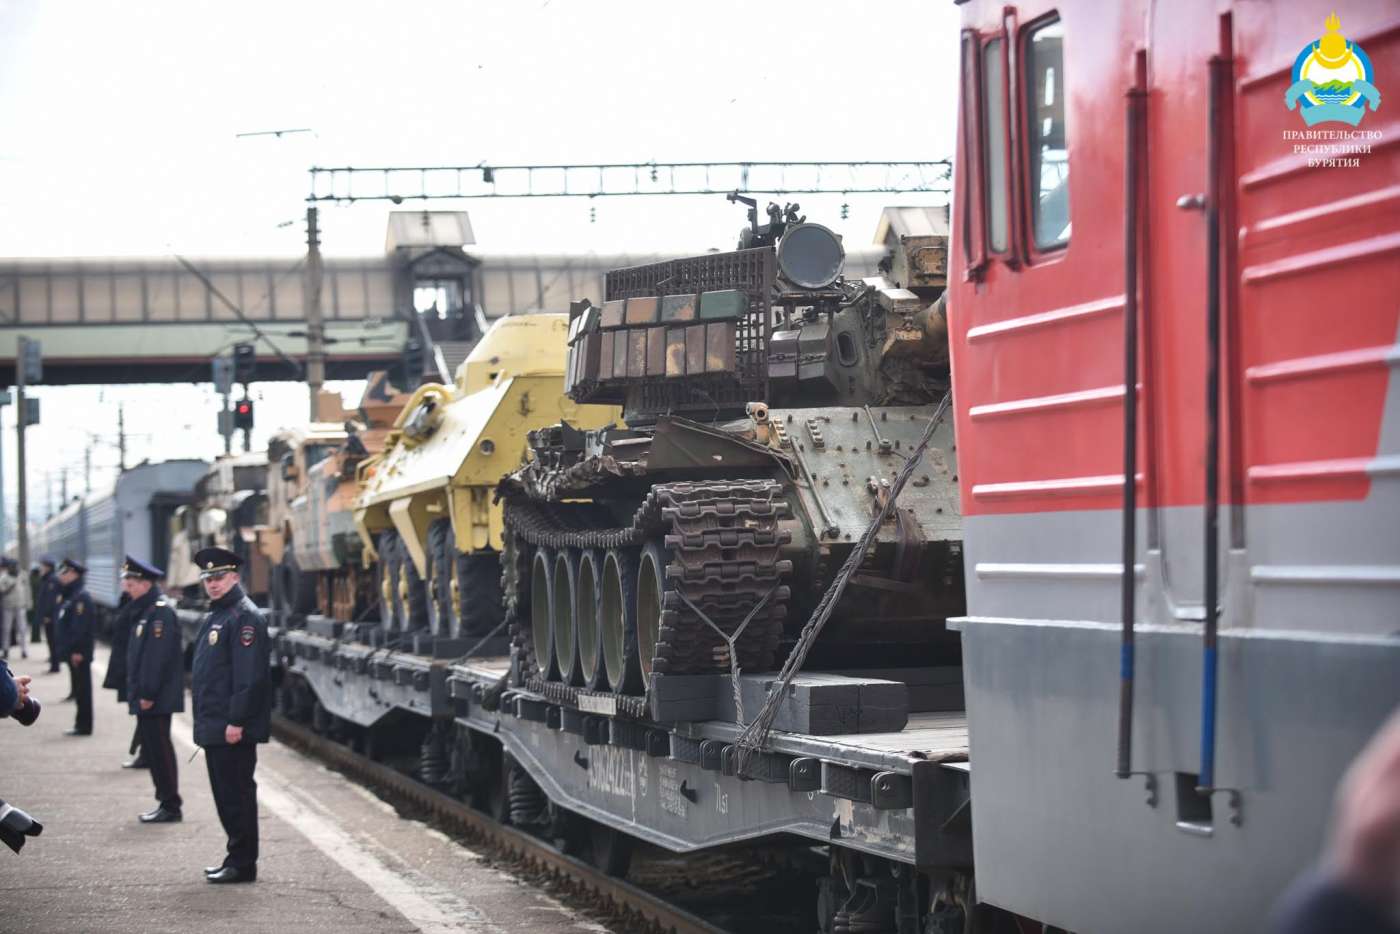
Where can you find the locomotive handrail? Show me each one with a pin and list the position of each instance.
(1206, 780)
(1136, 104)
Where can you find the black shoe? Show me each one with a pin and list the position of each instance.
(135, 762)
(161, 815)
(77, 732)
(229, 874)
(210, 870)
(67, 700)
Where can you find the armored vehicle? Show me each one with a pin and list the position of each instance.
(229, 504)
(768, 406)
(426, 511)
(310, 536)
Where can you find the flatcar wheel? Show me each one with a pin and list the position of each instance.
(562, 619)
(608, 850)
(388, 589)
(651, 579)
(590, 636)
(480, 603)
(442, 581)
(617, 616)
(542, 612)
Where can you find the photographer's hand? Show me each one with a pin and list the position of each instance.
(22, 682)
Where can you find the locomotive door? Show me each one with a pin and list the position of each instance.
(1176, 286)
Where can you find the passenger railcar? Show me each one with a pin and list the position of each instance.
(133, 517)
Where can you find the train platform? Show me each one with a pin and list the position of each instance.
(334, 857)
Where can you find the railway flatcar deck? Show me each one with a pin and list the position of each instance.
(902, 794)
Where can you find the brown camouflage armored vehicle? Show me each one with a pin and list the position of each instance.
(310, 536)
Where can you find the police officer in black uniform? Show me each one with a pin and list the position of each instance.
(232, 693)
(75, 630)
(46, 606)
(155, 682)
(123, 621)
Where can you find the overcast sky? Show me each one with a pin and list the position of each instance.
(118, 123)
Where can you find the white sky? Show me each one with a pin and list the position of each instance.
(118, 123)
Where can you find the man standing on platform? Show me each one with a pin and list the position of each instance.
(47, 606)
(155, 686)
(123, 621)
(232, 693)
(76, 629)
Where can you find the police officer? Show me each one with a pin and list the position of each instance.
(232, 692)
(123, 621)
(46, 606)
(75, 629)
(155, 687)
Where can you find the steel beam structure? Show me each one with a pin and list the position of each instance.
(346, 184)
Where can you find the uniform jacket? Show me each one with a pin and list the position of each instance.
(48, 598)
(155, 657)
(232, 677)
(122, 622)
(76, 624)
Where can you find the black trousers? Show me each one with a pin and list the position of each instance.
(160, 757)
(53, 653)
(82, 694)
(236, 799)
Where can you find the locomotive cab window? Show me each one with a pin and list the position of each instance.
(994, 143)
(1045, 123)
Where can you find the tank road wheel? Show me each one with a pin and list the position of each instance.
(589, 634)
(388, 589)
(442, 581)
(562, 619)
(542, 612)
(617, 616)
(651, 584)
(480, 603)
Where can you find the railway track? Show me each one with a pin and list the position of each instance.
(634, 908)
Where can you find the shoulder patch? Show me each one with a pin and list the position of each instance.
(248, 635)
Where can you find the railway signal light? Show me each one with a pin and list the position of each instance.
(31, 361)
(243, 414)
(223, 375)
(245, 362)
(413, 359)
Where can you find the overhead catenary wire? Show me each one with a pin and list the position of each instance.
(755, 735)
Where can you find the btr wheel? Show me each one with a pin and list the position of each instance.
(388, 589)
(480, 603)
(412, 602)
(443, 586)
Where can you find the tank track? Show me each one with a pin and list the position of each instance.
(723, 544)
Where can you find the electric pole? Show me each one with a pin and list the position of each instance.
(315, 324)
(121, 439)
(4, 401)
(22, 480)
(87, 470)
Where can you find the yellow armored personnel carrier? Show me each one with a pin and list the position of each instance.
(426, 509)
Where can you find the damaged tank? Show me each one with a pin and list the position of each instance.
(426, 511)
(768, 405)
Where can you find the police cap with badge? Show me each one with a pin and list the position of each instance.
(214, 562)
(141, 570)
(72, 564)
